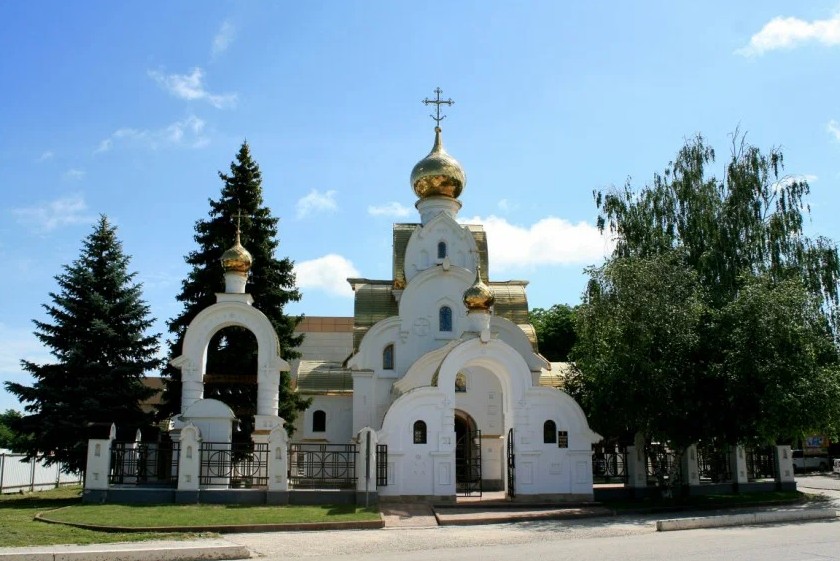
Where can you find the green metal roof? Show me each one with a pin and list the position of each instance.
(556, 377)
(318, 377)
(374, 302)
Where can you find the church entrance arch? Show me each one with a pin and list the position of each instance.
(467, 455)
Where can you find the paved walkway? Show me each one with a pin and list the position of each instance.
(408, 515)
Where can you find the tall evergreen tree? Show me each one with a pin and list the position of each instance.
(232, 353)
(98, 336)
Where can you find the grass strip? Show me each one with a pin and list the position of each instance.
(202, 515)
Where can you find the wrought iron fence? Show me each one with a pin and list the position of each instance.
(144, 463)
(322, 466)
(381, 465)
(761, 464)
(714, 465)
(662, 466)
(234, 465)
(609, 465)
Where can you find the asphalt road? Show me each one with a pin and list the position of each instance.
(625, 538)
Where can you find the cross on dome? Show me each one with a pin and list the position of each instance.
(438, 102)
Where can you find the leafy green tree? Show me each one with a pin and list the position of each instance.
(715, 318)
(232, 353)
(8, 437)
(97, 335)
(638, 332)
(555, 329)
(749, 223)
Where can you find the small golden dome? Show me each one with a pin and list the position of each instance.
(479, 296)
(237, 259)
(438, 174)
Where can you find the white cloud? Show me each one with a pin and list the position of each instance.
(50, 215)
(833, 127)
(507, 206)
(223, 39)
(188, 133)
(74, 174)
(190, 87)
(316, 201)
(550, 241)
(393, 209)
(48, 155)
(328, 273)
(790, 32)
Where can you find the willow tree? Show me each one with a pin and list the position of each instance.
(715, 319)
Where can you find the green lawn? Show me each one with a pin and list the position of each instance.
(17, 514)
(19, 528)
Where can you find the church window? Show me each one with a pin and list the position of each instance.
(563, 439)
(319, 421)
(460, 382)
(445, 319)
(549, 432)
(419, 432)
(388, 358)
(441, 250)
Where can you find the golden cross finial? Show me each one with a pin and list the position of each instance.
(238, 217)
(438, 102)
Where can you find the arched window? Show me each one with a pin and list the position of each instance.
(550, 432)
(441, 250)
(445, 319)
(388, 357)
(319, 421)
(419, 432)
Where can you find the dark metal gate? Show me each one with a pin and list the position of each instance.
(511, 467)
(322, 466)
(381, 465)
(468, 464)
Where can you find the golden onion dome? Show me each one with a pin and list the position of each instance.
(479, 296)
(438, 174)
(237, 259)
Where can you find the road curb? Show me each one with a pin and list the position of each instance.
(216, 550)
(743, 519)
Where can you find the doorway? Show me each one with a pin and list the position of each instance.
(467, 455)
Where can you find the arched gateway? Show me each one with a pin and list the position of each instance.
(233, 308)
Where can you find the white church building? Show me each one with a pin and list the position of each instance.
(435, 385)
(442, 363)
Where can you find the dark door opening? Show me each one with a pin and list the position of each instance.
(467, 457)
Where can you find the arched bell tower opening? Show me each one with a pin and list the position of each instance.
(231, 375)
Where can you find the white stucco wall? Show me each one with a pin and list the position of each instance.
(339, 416)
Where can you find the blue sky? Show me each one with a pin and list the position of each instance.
(130, 110)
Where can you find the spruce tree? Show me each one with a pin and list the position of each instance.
(97, 334)
(232, 353)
